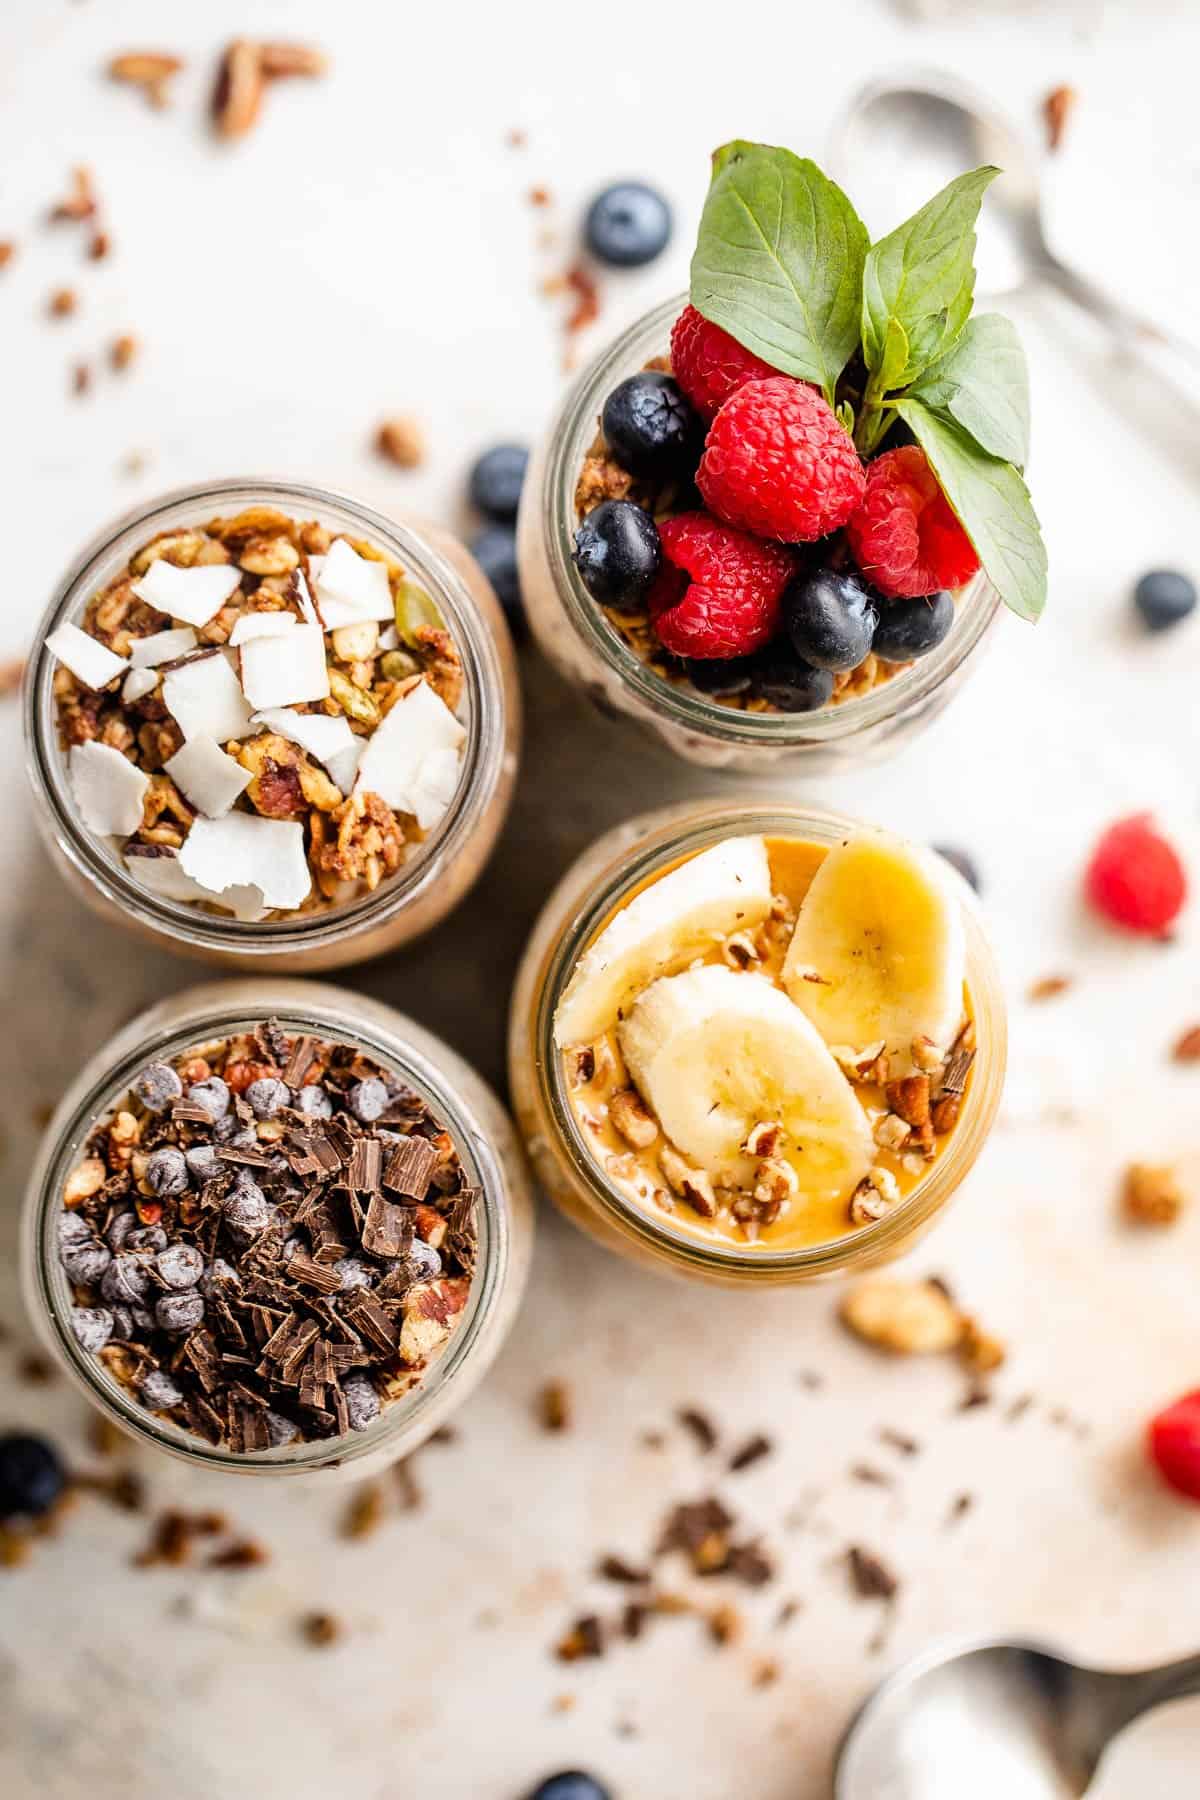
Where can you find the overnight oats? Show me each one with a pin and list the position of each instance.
(777, 516)
(268, 723)
(267, 1239)
(761, 1044)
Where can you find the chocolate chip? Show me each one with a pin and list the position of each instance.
(120, 1228)
(201, 1159)
(157, 1392)
(167, 1171)
(180, 1266)
(268, 1097)
(157, 1087)
(92, 1325)
(126, 1281)
(314, 1103)
(212, 1096)
(362, 1401)
(218, 1275)
(147, 1237)
(368, 1099)
(352, 1273)
(179, 1312)
(84, 1262)
(281, 1431)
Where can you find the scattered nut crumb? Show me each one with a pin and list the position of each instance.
(7, 251)
(1056, 110)
(150, 70)
(62, 303)
(700, 1426)
(725, 1624)
(364, 1514)
(979, 1349)
(103, 1435)
(80, 203)
(515, 138)
(122, 351)
(554, 1406)
(911, 1318)
(37, 1370)
(1048, 987)
(237, 96)
(1151, 1194)
(765, 1672)
(81, 378)
(245, 1554)
(282, 61)
(11, 674)
(539, 196)
(99, 246)
(1187, 1047)
(401, 440)
(583, 1639)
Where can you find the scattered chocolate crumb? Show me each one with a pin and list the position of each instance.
(122, 351)
(625, 1728)
(787, 1612)
(37, 1370)
(554, 1406)
(127, 1491)
(977, 1394)
(1018, 1408)
(62, 303)
(16, 1547)
(7, 251)
(633, 1619)
(583, 1639)
(960, 1507)
(562, 1703)
(1186, 1048)
(765, 1672)
(99, 246)
(812, 1380)
(103, 1436)
(700, 1426)
(898, 1440)
(81, 378)
(870, 1476)
(1048, 987)
(320, 1629)
(401, 440)
(445, 1434)
(725, 1624)
(245, 1554)
(365, 1512)
(408, 1491)
(870, 1576)
(170, 1541)
(752, 1451)
(1056, 110)
(653, 1440)
(615, 1568)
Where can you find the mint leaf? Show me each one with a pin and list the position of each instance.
(923, 275)
(993, 504)
(779, 261)
(984, 384)
(894, 359)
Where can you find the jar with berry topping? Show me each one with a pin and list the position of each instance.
(200, 1254)
(612, 657)
(271, 727)
(681, 988)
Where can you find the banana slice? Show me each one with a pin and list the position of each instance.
(715, 1052)
(879, 950)
(725, 889)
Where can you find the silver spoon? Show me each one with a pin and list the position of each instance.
(900, 140)
(996, 1721)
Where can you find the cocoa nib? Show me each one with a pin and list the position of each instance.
(870, 1576)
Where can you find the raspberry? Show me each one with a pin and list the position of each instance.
(719, 591)
(1135, 878)
(904, 536)
(708, 364)
(1173, 1442)
(776, 461)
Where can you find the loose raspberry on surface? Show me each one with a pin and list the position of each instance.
(719, 591)
(904, 535)
(1173, 1442)
(777, 462)
(1135, 877)
(708, 364)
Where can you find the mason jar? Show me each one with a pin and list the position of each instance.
(617, 866)
(483, 1137)
(574, 633)
(431, 882)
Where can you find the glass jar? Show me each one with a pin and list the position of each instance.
(444, 867)
(611, 870)
(576, 636)
(482, 1134)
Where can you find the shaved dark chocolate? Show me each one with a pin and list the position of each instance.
(411, 1167)
(388, 1229)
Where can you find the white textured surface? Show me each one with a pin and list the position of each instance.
(371, 249)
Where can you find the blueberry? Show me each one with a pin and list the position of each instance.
(627, 225)
(792, 685)
(119, 1229)
(495, 550)
(570, 1785)
(1164, 597)
(126, 1281)
(911, 628)
(831, 617)
(157, 1087)
(73, 1228)
(721, 678)
(31, 1475)
(167, 1171)
(245, 1208)
(650, 426)
(352, 1273)
(618, 553)
(496, 479)
(960, 860)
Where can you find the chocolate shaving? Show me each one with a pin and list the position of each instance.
(303, 1055)
(388, 1229)
(366, 1165)
(752, 1451)
(954, 1080)
(313, 1274)
(411, 1167)
(870, 1576)
(369, 1318)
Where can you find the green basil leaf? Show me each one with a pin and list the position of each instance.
(923, 274)
(779, 261)
(894, 360)
(984, 384)
(991, 500)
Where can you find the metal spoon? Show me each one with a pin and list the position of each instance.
(902, 139)
(996, 1721)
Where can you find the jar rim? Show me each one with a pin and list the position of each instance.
(91, 856)
(660, 838)
(572, 432)
(157, 1034)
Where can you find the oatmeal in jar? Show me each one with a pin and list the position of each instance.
(771, 1042)
(261, 715)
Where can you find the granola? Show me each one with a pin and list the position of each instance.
(269, 1241)
(260, 714)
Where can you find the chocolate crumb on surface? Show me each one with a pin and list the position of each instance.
(752, 1451)
(554, 1406)
(1049, 987)
(582, 1640)
(700, 1426)
(960, 1507)
(898, 1440)
(870, 1576)
(615, 1568)
(320, 1629)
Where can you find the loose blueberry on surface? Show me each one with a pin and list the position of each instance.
(495, 550)
(496, 479)
(627, 225)
(1163, 597)
(721, 679)
(651, 426)
(960, 860)
(571, 1784)
(908, 629)
(831, 617)
(792, 685)
(31, 1475)
(618, 553)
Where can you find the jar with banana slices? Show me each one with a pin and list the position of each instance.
(756, 1044)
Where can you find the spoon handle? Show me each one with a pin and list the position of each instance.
(1134, 1695)
(1138, 331)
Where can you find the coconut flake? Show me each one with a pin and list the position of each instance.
(410, 737)
(158, 868)
(351, 588)
(205, 700)
(282, 671)
(325, 738)
(244, 850)
(343, 767)
(163, 646)
(88, 659)
(194, 595)
(261, 625)
(108, 789)
(207, 777)
(137, 684)
(389, 638)
(303, 597)
(437, 786)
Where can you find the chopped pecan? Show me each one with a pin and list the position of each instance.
(285, 782)
(430, 1310)
(692, 1185)
(908, 1317)
(361, 840)
(402, 441)
(237, 97)
(150, 70)
(1151, 1194)
(631, 1118)
(442, 663)
(1056, 110)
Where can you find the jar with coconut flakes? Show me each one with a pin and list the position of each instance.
(268, 725)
